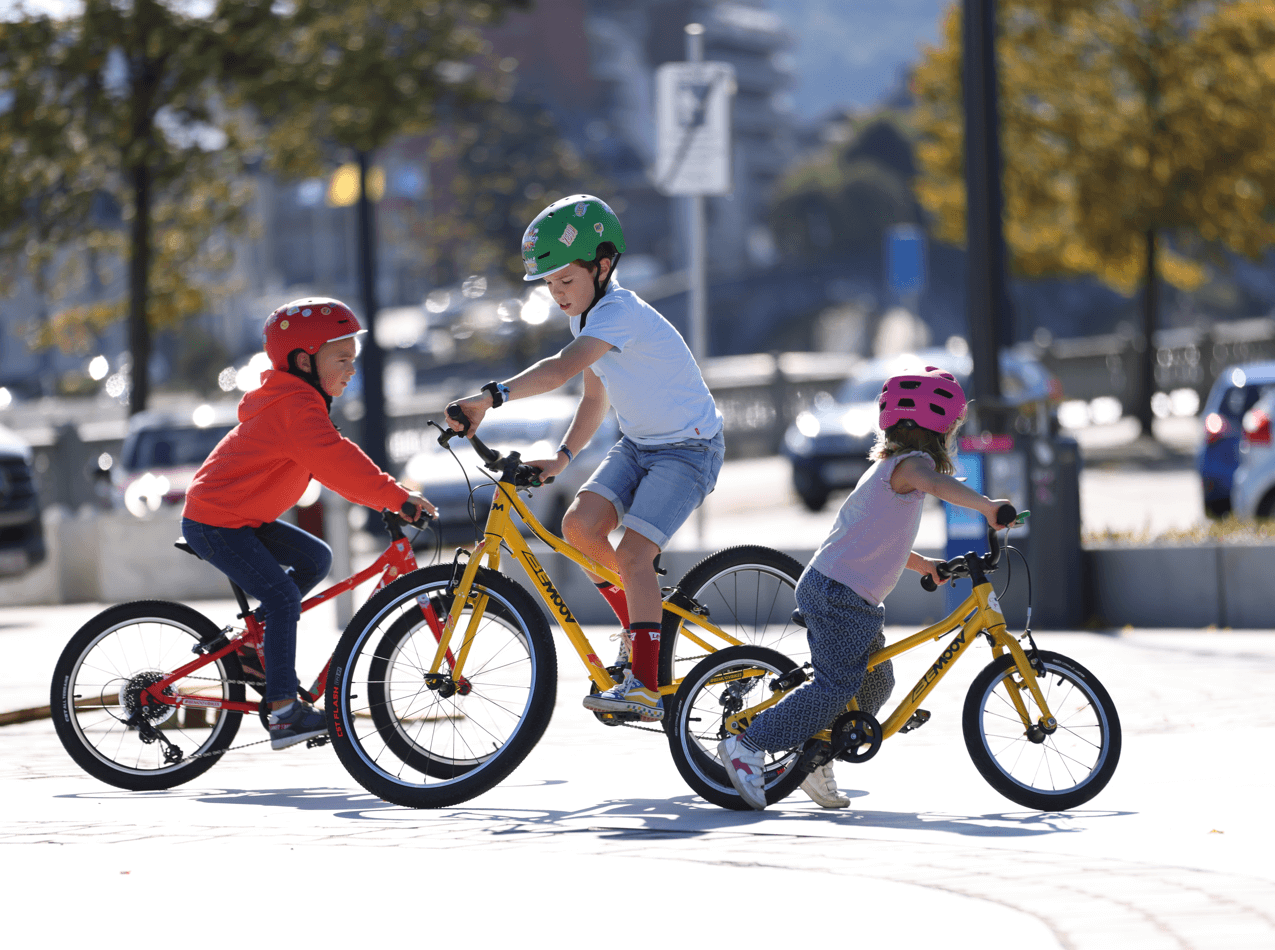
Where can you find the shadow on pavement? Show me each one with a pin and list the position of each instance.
(680, 816)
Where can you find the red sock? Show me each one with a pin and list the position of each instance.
(615, 597)
(646, 653)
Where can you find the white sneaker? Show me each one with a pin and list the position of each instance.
(746, 769)
(628, 695)
(821, 786)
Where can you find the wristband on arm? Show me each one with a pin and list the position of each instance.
(499, 393)
(567, 452)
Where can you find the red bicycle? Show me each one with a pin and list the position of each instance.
(132, 710)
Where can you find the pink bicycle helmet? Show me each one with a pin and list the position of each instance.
(932, 400)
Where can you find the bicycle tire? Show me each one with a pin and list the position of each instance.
(748, 591)
(1070, 766)
(417, 746)
(100, 672)
(699, 724)
(381, 694)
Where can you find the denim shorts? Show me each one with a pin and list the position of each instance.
(654, 488)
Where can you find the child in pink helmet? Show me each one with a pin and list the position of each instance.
(840, 593)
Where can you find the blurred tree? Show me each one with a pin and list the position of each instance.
(113, 146)
(1136, 136)
(496, 168)
(844, 199)
(351, 76)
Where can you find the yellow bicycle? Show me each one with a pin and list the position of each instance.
(1038, 726)
(446, 679)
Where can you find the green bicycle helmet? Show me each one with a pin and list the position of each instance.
(568, 230)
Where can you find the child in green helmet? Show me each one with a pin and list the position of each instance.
(671, 449)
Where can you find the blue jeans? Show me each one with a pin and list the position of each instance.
(254, 558)
(654, 488)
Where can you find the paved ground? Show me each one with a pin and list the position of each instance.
(1174, 853)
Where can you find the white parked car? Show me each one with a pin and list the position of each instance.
(1253, 486)
(533, 427)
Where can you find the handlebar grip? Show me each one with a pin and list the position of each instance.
(942, 570)
(455, 412)
(411, 512)
(1006, 514)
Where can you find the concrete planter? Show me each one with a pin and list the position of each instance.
(1208, 585)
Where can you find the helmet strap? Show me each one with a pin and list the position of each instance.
(600, 286)
(310, 376)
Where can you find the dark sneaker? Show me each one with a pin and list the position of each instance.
(301, 722)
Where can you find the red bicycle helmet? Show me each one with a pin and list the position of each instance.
(306, 324)
(932, 400)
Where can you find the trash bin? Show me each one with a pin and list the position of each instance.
(1040, 473)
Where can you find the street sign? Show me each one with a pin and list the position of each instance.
(692, 128)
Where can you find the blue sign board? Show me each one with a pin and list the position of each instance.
(966, 528)
(905, 259)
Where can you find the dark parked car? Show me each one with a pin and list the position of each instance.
(21, 531)
(1234, 393)
(828, 446)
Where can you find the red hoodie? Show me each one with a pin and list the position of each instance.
(263, 465)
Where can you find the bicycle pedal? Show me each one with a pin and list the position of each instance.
(315, 741)
(919, 719)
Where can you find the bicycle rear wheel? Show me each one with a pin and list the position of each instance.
(425, 742)
(720, 686)
(1049, 772)
(96, 689)
(748, 591)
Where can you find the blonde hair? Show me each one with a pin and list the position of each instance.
(905, 437)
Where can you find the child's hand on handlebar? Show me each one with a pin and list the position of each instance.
(473, 408)
(926, 567)
(991, 512)
(548, 467)
(424, 508)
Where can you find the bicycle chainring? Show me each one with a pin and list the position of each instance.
(856, 737)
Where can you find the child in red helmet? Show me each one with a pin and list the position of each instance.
(260, 469)
(840, 593)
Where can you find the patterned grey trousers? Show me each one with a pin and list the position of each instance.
(842, 629)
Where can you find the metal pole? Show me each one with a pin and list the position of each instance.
(696, 266)
(987, 297)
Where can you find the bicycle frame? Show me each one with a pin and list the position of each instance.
(979, 613)
(395, 560)
(501, 529)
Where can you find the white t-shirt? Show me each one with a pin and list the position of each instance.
(650, 377)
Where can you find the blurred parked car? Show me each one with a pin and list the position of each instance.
(1253, 483)
(1234, 393)
(21, 532)
(161, 453)
(533, 427)
(828, 445)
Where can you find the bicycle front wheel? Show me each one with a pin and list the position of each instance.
(96, 697)
(430, 742)
(718, 687)
(1050, 772)
(748, 592)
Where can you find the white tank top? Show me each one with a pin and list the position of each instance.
(868, 546)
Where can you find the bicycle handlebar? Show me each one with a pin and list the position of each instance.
(960, 566)
(510, 467)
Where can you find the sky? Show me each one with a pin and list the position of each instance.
(849, 53)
